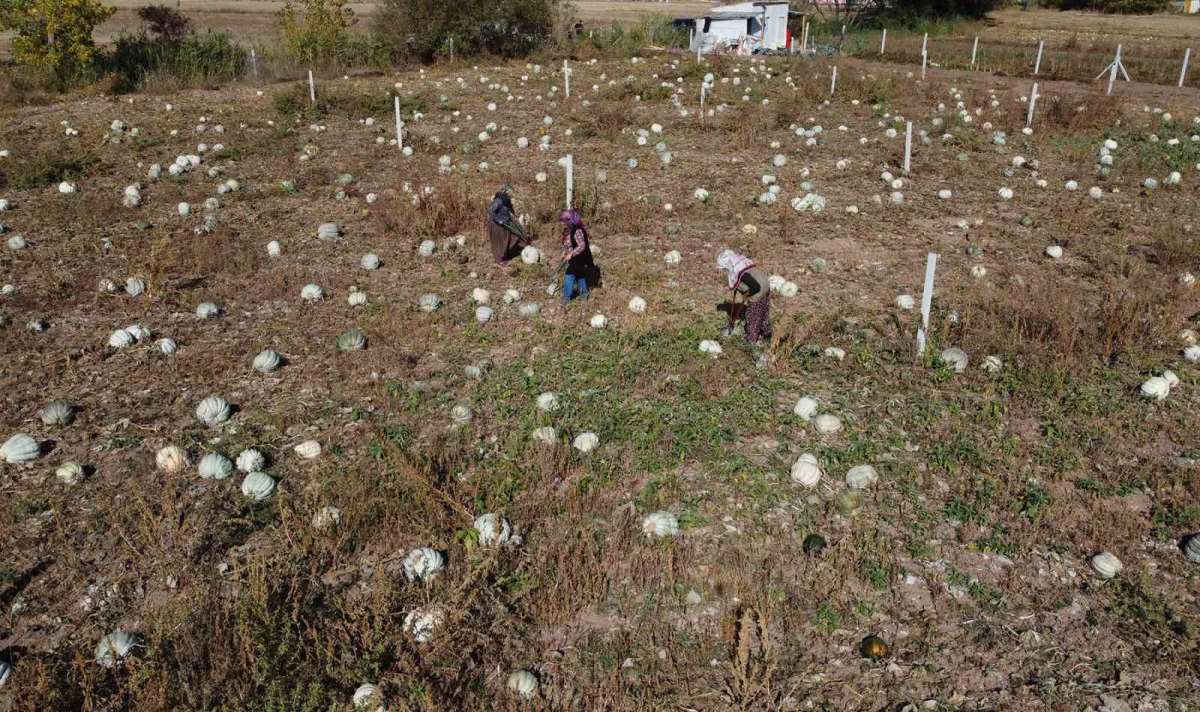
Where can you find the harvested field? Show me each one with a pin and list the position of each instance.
(970, 556)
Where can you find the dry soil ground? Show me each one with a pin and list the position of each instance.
(969, 556)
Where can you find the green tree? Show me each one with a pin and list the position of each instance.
(315, 30)
(53, 35)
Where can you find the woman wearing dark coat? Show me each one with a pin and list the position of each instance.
(504, 233)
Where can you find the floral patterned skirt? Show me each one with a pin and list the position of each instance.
(758, 319)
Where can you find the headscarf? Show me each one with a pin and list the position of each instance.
(571, 218)
(734, 265)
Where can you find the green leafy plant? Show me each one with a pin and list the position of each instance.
(54, 35)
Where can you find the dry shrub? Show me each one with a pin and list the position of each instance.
(1063, 112)
(448, 212)
(222, 252)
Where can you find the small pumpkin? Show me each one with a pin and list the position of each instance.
(257, 486)
(19, 448)
(312, 293)
(872, 647)
(267, 361)
(213, 411)
(171, 459)
(119, 339)
(523, 684)
(658, 525)
(370, 261)
(207, 310)
(352, 340)
(806, 471)
(493, 530)
(421, 623)
(113, 647)
(308, 450)
(861, 477)
(69, 473)
(586, 442)
(423, 564)
(250, 460)
(58, 413)
(215, 466)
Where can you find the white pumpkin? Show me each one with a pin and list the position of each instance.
(356, 298)
(69, 473)
(367, 695)
(352, 340)
(113, 647)
(710, 347)
(483, 314)
(58, 413)
(531, 255)
(308, 450)
(328, 231)
(1192, 353)
(992, 364)
(954, 358)
(207, 310)
(545, 435)
(138, 332)
(481, 296)
(586, 442)
(827, 424)
(806, 472)
(547, 402)
(861, 477)
(528, 309)
(421, 623)
(493, 530)
(251, 460)
(213, 411)
(119, 339)
(215, 466)
(637, 305)
(599, 321)
(1106, 564)
(312, 293)
(267, 361)
(5, 671)
(426, 248)
(523, 684)
(274, 249)
(1156, 388)
(806, 408)
(673, 257)
(460, 414)
(905, 302)
(658, 525)
(134, 286)
(171, 459)
(423, 564)
(257, 486)
(1054, 252)
(1169, 376)
(429, 302)
(370, 261)
(167, 346)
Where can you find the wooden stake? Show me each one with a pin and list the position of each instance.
(1112, 74)
(924, 61)
(974, 51)
(570, 166)
(1037, 64)
(1187, 54)
(908, 148)
(883, 41)
(1033, 97)
(399, 127)
(312, 88)
(833, 81)
(926, 301)
(254, 62)
(566, 79)
(925, 44)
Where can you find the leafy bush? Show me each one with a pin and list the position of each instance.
(210, 58)
(54, 35)
(423, 29)
(651, 30)
(315, 31)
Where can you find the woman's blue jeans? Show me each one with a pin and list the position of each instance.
(570, 282)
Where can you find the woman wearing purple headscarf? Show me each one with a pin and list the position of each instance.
(577, 254)
(746, 280)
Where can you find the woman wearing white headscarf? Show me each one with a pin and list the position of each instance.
(747, 281)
